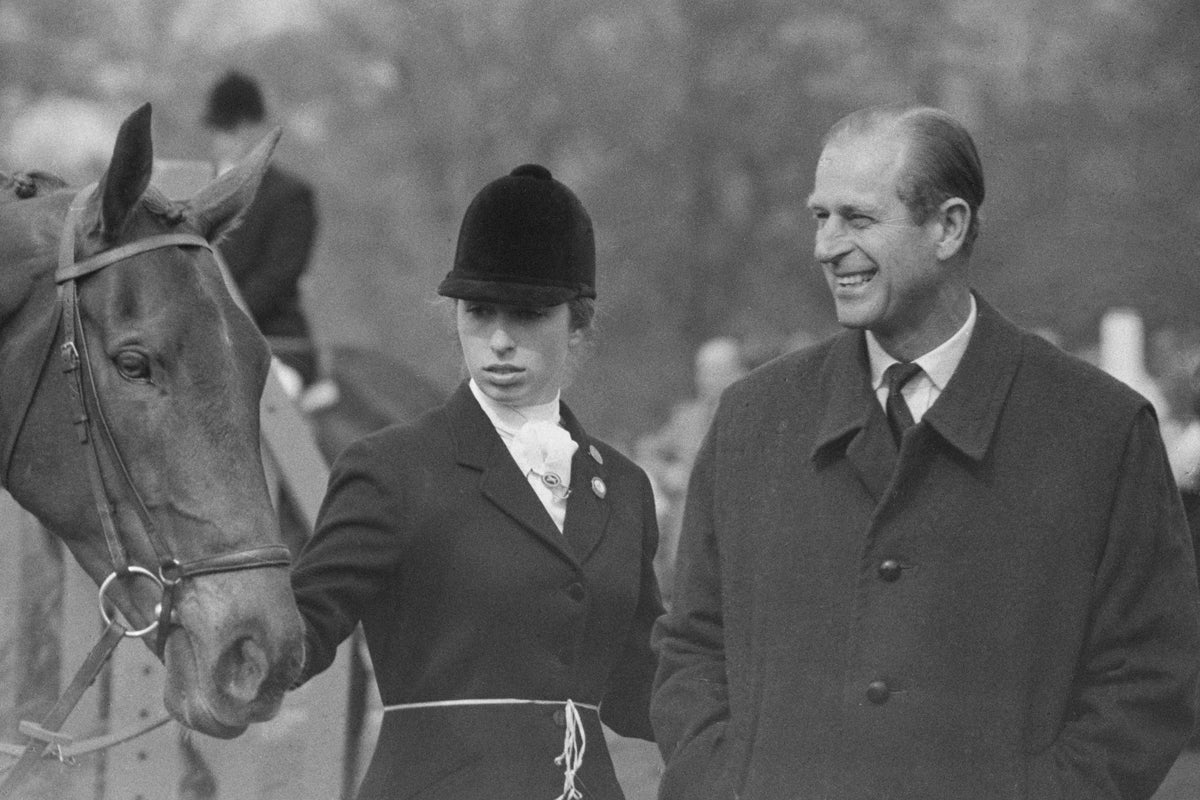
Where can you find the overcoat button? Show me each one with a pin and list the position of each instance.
(889, 570)
(575, 592)
(560, 718)
(878, 692)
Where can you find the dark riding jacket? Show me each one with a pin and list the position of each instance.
(268, 254)
(434, 540)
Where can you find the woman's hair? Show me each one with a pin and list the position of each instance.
(581, 314)
(941, 161)
(582, 311)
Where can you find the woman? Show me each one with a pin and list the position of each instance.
(498, 557)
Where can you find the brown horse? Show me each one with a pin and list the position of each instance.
(167, 499)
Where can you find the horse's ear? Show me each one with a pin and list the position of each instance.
(218, 207)
(128, 173)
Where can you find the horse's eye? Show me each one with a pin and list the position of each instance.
(133, 365)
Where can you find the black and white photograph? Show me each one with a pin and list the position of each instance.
(599, 400)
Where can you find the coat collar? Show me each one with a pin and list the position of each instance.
(965, 415)
(478, 446)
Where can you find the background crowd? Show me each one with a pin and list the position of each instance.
(688, 129)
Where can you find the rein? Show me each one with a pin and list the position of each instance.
(91, 429)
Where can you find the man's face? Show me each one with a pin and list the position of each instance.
(881, 267)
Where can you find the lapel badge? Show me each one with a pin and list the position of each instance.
(554, 483)
(595, 454)
(599, 488)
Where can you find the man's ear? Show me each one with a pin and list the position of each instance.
(954, 217)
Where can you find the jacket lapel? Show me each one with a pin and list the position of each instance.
(968, 411)
(587, 510)
(480, 447)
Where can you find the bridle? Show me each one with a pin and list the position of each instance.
(92, 429)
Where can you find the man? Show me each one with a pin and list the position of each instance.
(268, 253)
(991, 597)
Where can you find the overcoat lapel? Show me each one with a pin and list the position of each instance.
(852, 415)
(480, 447)
(587, 509)
(965, 415)
(968, 412)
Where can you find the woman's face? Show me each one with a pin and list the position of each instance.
(518, 355)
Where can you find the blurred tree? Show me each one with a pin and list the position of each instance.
(691, 132)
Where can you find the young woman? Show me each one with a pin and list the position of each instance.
(498, 557)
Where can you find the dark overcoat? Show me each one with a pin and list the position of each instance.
(267, 255)
(1005, 609)
(433, 539)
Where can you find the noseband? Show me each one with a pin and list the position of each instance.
(92, 428)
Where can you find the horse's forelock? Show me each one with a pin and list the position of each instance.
(157, 203)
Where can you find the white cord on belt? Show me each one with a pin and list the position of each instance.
(574, 740)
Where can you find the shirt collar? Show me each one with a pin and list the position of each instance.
(938, 364)
(507, 419)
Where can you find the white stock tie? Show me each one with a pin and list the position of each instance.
(543, 450)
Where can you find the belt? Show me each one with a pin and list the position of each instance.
(574, 740)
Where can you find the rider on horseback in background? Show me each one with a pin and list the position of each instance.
(269, 252)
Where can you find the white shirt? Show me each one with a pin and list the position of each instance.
(507, 421)
(937, 366)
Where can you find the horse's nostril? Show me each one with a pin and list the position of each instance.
(241, 670)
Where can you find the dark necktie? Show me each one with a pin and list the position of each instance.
(899, 417)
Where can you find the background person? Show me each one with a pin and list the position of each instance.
(269, 252)
(668, 453)
(499, 558)
(976, 583)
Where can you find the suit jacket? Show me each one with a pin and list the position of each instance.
(433, 539)
(268, 252)
(1007, 608)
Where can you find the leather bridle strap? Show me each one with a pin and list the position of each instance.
(70, 272)
(269, 555)
(65, 704)
(78, 366)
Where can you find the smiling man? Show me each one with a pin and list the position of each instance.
(932, 557)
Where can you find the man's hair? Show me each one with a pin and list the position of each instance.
(234, 99)
(940, 161)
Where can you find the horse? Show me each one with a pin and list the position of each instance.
(165, 505)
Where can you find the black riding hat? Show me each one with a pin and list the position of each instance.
(525, 240)
(234, 99)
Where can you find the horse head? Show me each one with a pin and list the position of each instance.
(172, 373)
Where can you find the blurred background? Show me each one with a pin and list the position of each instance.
(689, 129)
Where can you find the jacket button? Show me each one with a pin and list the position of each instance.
(576, 592)
(889, 570)
(878, 692)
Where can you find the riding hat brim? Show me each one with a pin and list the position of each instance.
(509, 292)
